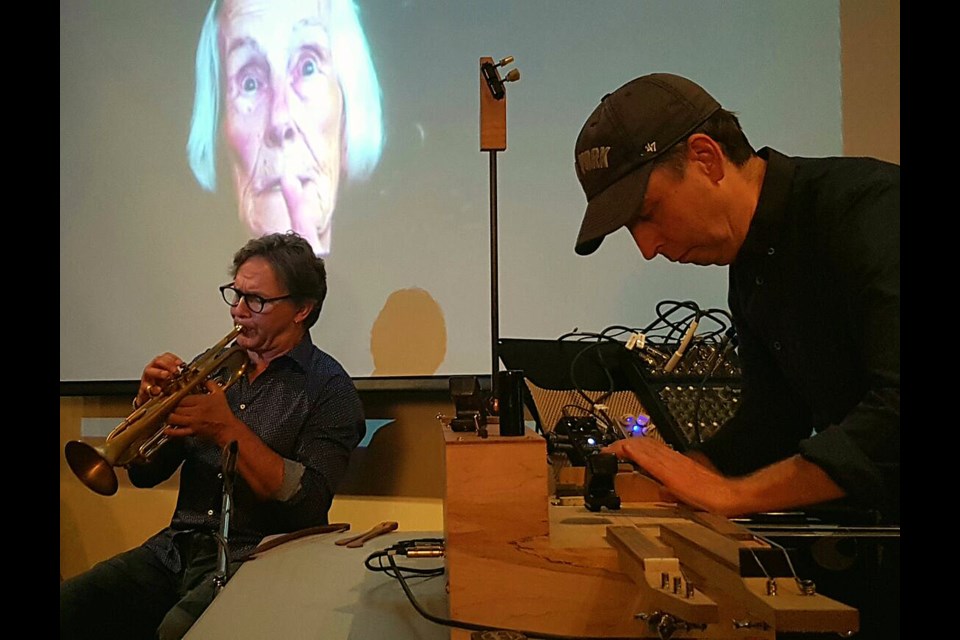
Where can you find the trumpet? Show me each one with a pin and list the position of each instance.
(137, 439)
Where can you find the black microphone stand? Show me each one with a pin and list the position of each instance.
(494, 278)
(493, 138)
(228, 470)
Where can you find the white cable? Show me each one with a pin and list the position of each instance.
(687, 337)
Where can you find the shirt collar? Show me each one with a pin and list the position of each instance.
(771, 206)
(302, 352)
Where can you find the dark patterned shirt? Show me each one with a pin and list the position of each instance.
(815, 297)
(305, 407)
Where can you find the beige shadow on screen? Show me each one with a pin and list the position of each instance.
(409, 336)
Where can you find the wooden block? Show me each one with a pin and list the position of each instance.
(636, 487)
(571, 476)
(543, 590)
(493, 116)
(495, 489)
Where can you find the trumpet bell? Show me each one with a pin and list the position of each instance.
(91, 468)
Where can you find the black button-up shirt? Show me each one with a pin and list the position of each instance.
(815, 297)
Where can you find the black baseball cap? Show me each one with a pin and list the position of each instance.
(628, 129)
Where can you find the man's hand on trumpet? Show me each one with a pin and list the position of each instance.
(156, 376)
(204, 415)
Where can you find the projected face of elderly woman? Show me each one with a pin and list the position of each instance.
(283, 115)
(294, 84)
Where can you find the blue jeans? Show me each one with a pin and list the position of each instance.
(133, 595)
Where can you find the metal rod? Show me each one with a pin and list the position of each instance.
(222, 575)
(494, 278)
(228, 470)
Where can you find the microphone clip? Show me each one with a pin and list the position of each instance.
(491, 75)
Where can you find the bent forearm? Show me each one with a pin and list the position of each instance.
(684, 476)
(793, 482)
(259, 465)
(701, 458)
(790, 483)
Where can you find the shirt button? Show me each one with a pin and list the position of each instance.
(243, 406)
(210, 512)
(777, 346)
(759, 280)
(771, 251)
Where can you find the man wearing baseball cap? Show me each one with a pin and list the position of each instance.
(813, 250)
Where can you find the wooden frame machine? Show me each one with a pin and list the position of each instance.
(520, 560)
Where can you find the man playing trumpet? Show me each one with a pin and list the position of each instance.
(295, 416)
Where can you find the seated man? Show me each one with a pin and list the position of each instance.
(813, 249)
(295, 416)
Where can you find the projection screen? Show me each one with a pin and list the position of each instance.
(146, 236)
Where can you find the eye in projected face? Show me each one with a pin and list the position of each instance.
(283, 115)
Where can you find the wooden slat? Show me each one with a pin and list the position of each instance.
(647, 562)
(717, 559)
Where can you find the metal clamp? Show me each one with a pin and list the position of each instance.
(666, 624)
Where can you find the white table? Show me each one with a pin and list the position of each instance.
(312, 588)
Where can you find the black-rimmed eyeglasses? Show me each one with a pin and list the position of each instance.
(232, 296)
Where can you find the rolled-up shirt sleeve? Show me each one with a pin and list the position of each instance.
(861, 452)
(331, 431)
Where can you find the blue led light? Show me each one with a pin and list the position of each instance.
(591, 441)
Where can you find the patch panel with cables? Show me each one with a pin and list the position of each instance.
(685, 371)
